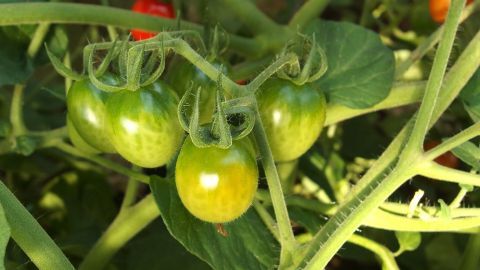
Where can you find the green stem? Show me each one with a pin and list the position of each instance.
(103, 162)
(422, 123)
(251, 16)
(287, 240)
(130, 191)
(433, 170)
(37, 39)
(267, 219)
(467, 134)
(427, 45)
(72, 13)
(350, 216)
(30, 236)
(458, 76)
(288, 59)
(470, 260)
(309, 11)
(384, 254)
(126, 225)
(457, 201)
(182, 48)
(16, 112)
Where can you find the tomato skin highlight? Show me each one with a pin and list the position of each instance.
(86, 110)
(182, 73)
(154, 8)
(439, 9)
(143, 124)
(77, 140)
(447, 159)
(293, 117)
(217, 185)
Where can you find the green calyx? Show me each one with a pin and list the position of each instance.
(311, 64)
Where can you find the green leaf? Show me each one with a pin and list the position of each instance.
(360, 68)
(30, 236)
(15, 66)
(469, 153)
(408, 240)
(470, 96)
(4, 235)
(248, 245)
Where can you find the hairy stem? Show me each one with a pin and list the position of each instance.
(287, 240)
(72, 13)
(422, 123)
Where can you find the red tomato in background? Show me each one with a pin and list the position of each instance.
(154, 8)
(447, 159)
(439, 9)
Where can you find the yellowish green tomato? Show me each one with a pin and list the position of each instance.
(86, 110)
(217, 185)
(77, 140)
(143, 124)
(293, 116)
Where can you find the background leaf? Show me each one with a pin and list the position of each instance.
(408, 240)
(469, 153)
(360, 68)
(470, 96)
(4, 236)
(248, 245)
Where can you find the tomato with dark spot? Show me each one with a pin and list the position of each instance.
(154, 8)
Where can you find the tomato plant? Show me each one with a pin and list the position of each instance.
(308, 130)
(219, 188)
(143, 126)
(293, 116)
(153, 8)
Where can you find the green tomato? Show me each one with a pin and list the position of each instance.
(217, 185)
(143, 124)
(77, 140)
(293, 116)
(180, 76)
(86, 109)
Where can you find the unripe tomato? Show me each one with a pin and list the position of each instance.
(154, 8)
(293, 116)
(447, 159)
(217, 185)
(86, 109)
(182, 73)
(77, 140)
(143, 124)
(439, 9)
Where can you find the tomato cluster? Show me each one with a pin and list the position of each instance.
(139, 125)
(216, 185)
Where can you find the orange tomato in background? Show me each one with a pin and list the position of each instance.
(439, 9)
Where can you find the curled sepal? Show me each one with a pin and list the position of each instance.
(61, 68)
(220, 127)
(312, 62)
(183, 117)
(240, 114)
(93, 78)
(122, 59)
(103, 67)
(150, 65)
(134, 66)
